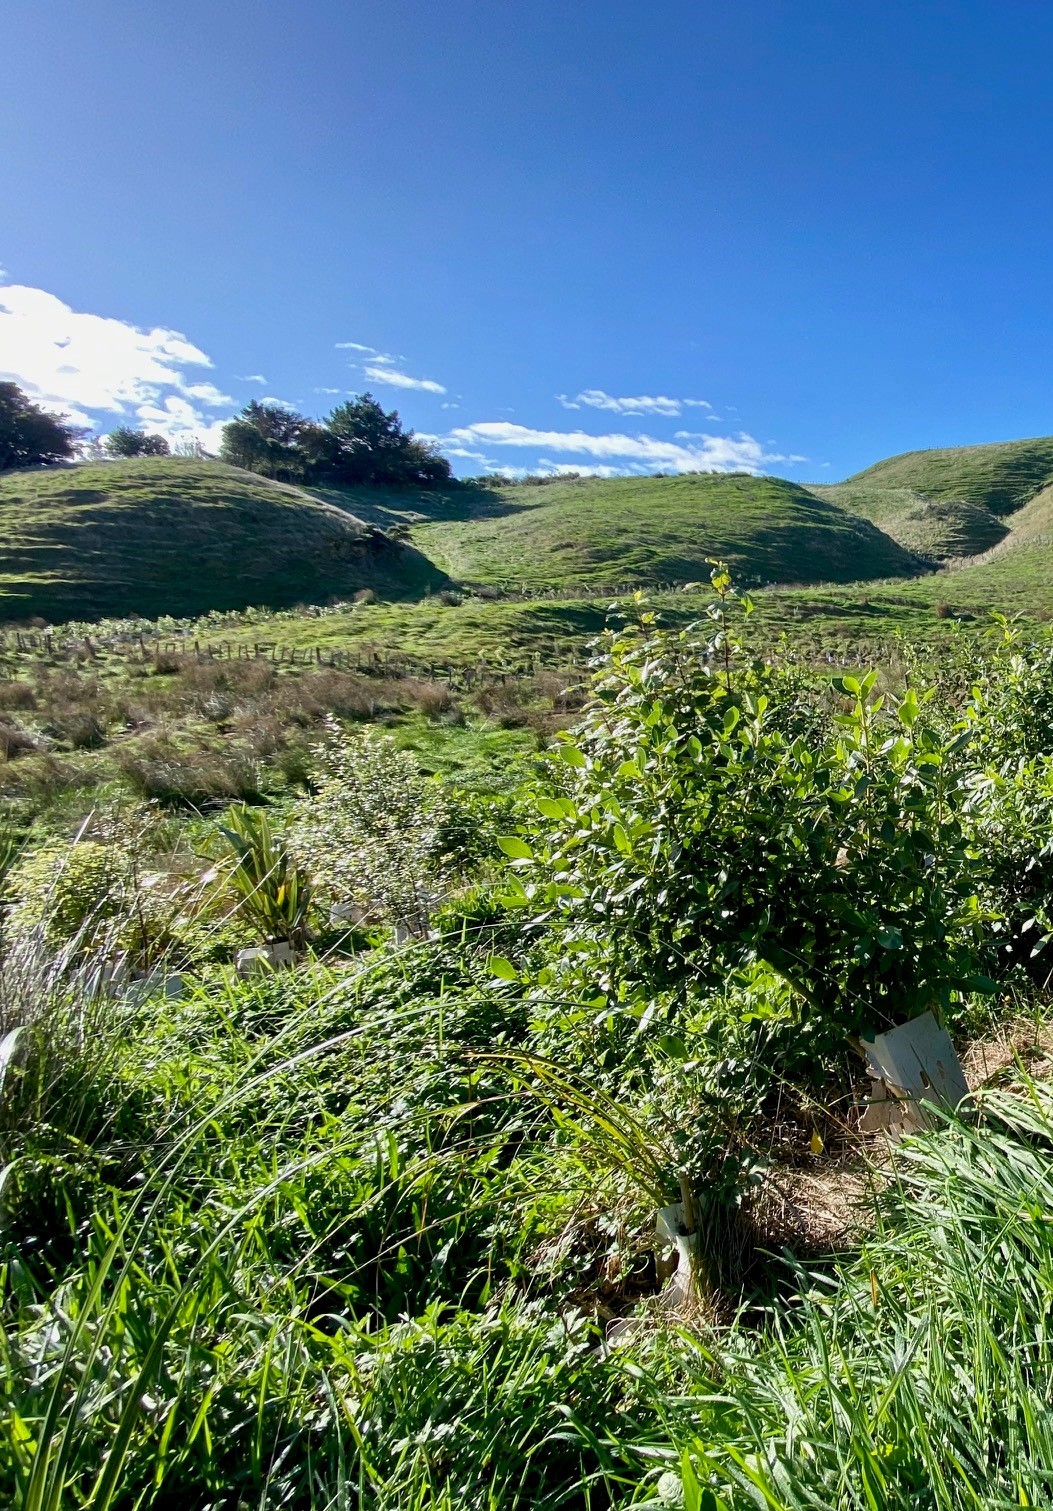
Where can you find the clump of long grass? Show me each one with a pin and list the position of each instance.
(916, 1375)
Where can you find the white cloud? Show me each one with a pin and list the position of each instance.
(354, 346)
(652, 404)
(268, 398)
(479, 457)
(252, 378)
(178, 420)
(710, 453)
(580, 469)
(329, 390)
(207, 393)
(101, 371)
(385, 374)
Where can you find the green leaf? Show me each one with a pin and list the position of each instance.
(548, 807)
(910, 708)
(503, 969)
(512, 899)
(514, 847)
(570, 755)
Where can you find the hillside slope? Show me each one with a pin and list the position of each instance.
(645, 530)
(1001, 476)
(952, 502)
(936, 529)
(174, 536)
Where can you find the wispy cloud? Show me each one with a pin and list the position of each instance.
(646, 404)
(708, 453)
(329, 390)
(381, 372)
(354, 346)
(269, 398)
(467, 455)
(252, 378)
(103, 371)
(547, 468)
(207, 393)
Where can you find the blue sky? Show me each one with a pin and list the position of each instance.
(826, 224)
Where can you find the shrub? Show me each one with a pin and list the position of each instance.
(65, 890)
(688, 835)
(162, 771)
(16, 694)
(369, 833)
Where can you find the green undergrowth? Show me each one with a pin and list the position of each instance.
(378, 1229)
(251, 1260)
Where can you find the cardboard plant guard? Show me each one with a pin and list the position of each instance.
(911, 1064)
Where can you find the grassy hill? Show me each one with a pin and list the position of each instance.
(174, 536)
(609, 532)
(954, 502)
(170, 536)
(1001, 476)
(936, 529)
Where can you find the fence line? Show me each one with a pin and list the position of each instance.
(365, 661)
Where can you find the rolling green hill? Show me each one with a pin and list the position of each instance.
(1001, 476)
(950, 503)
(936, 529)
(611, 532)
(181, 537)
(173, 536)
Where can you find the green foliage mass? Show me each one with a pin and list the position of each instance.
(125, 442)
(31, 436)
(68, 889)
(702, 827)
(359, 443)
(360, 1234)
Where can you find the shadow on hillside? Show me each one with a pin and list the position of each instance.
(403, 573)
(399, 506)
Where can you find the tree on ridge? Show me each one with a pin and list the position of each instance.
(31, 436)
(124, 442)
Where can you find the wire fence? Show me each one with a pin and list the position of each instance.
(366, 661)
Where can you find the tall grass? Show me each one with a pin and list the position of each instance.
(916, 1375)
(273, 1270)
(221, 1308)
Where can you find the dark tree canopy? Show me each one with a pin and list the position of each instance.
(124, 442)
(269, 439)
(359, 443)
(29, 435)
